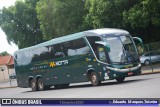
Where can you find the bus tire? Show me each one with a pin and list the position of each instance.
(33, 85)
(120, 79)
(94, 79)
(40, 84)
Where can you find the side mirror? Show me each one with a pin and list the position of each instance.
(138, 40)
(139, 44)
(104, 44)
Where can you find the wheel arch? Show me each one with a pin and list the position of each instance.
(38, 76)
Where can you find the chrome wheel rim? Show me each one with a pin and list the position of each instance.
(33, 85)
(94, 78)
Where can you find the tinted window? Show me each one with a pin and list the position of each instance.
(92, 41)
(23, 58)
(39, 54)
(70, 48)
(77, 47)
(147, 54)
(58, 51)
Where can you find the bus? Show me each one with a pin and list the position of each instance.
(94, 55)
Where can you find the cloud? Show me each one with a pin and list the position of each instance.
(6, 3)
(4, 46)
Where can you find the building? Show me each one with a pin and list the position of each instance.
(6, 67)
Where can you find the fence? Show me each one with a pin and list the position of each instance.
(150, 57)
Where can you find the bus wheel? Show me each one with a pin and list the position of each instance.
(40, 84)
(33, 85)
(94, 79)
(120, 79)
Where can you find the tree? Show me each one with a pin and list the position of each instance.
(20, 23)
(5, 53)
(106, 13)
(60, 17)
(145, 17)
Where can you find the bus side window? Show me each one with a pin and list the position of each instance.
(58, 51)
(79, 47)
(101, 53)
(92, 41)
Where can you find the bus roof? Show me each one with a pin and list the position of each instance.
(94, 32)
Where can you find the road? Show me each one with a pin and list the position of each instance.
(144, 86)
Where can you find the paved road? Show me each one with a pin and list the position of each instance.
(144, 86)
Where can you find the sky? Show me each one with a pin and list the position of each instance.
(4, 46)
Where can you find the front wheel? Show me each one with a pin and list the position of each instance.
(120, 79)
(95, 79)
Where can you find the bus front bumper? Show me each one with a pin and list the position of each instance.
(113, 73)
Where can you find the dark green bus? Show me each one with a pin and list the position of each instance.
(94, 55)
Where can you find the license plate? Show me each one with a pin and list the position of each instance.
(130, 73)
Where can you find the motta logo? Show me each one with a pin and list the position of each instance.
(6, 101)
(58, 63)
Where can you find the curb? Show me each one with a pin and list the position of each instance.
(147, 73)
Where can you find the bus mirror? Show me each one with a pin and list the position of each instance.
(139, 44)
(104, 44)
(138, 40)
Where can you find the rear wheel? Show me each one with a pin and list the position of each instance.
(33, 85)
(147, 62)
(94, 79)
(120, 79)
(40, 84)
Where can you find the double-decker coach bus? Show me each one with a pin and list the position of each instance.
(94, 55)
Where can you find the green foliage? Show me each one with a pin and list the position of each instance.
(5, 53)
(60, 17)
(144, 18)
(143, 14)
(20, 23)
(106, 13)
(140, 17)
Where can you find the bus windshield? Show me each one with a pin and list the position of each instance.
(122, 49)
